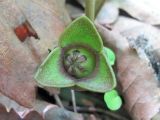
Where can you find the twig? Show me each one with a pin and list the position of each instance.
(98, 110)
(74, 101)
(58, 100)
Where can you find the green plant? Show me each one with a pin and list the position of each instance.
(113, 100)
(81, 60)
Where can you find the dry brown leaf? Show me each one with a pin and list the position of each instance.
(73, 11)
(19, 60)
(12, 115)
(33, 115)
(123, 23)
(108, 14)
(139, 85)
(62, 114)
(144, 10)
(10, 104)
(144, 38)
(41, 108)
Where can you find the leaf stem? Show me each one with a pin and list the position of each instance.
(90, 9)
(74, 101)
(58, 100)
(98, 6)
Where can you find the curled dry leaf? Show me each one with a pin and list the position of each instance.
(53, 112)
(62, 114)
(108, 14)
(12, 115)
(41, 108)
(136, 77)
(143, 10)
(124, 23)
(19, 60)
(33, 115)
(10, 104)
(73, 11)
(144, 38)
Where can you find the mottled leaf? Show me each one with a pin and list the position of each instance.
(33, 115)
(19, 60)
(144, 10)
(62, 114)
(108, 14)
(136, 76)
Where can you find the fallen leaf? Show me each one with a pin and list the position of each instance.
(143, 37)
(73, 11)
(12, 115)
(33, 116)
(137, 80)
(62, 114)
(108, 14)
(10, 104)
(19, 60)
(124, 23)
(144, 10)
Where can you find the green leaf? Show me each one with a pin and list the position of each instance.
(51, 73)
(109, 55)
(113, 100)
(82, 32)
(103, 80)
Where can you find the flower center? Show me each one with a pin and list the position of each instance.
(79, 62)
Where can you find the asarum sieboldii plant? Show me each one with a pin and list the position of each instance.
(80, 60)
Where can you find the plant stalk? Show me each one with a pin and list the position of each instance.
(58, 100)
(74, 101)
(90, 9)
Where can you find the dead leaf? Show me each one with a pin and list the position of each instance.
(62, 114)
(19, 60)
(33, 116)
(144, 38)
(124, 23)
(144, 10)
(139, 85)
(12, 115)
(108, 14)
(73, 11)
(10, 104)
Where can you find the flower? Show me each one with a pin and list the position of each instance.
(80, 60)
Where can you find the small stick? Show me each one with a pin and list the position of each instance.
(99, 110)
(58, 100)
(74, 101)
